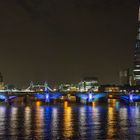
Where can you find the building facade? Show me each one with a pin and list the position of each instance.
(67, 87)
(1, 82)
(88, 84)
(124, 77)
(136, 68)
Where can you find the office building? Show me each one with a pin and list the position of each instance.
(136, 68)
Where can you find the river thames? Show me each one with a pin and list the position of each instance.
(111, 121)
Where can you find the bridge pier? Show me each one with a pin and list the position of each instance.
(78, 100)
(47, 98)
(26, 98)
(7, 100)
(131, 97)
(131, 101)
(89, 99)
(86, 98)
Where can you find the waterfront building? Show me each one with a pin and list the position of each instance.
(88, 84)
(109, 88)
(67, 87)
(136, 68)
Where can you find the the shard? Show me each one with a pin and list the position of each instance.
(136, 68)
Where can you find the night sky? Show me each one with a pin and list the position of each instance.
(65, 40)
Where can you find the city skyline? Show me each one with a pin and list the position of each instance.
(67, 40)
(69, 69)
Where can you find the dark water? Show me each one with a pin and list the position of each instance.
(109, 121)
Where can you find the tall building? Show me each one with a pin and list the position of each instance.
(1, 82)
(124, 77)
(136, 69)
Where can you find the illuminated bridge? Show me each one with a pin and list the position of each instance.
(46, 94)
(86, 97)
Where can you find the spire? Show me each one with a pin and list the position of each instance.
(136, 70)
(138, 35)
(31, 84)
(139, 15)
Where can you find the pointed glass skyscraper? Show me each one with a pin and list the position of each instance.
(136, 69)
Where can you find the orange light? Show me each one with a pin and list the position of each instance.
(38, 103)
(65, 104)
(93, 104)
(110, 96)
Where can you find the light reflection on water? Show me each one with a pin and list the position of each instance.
(111, 120)
(55, 122)
(112, 124)
(13, 121)
(68, 129)
(2, 121)
(27, 122)
(39, 120)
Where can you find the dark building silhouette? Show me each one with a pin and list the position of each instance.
(1, 82)
(1, 78)
(136, 69)
(124, 77)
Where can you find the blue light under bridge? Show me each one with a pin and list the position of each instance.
(131, 97)
(90, 96)
(4, 97)
(47, 96)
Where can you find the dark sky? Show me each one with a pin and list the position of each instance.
(65, 40)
